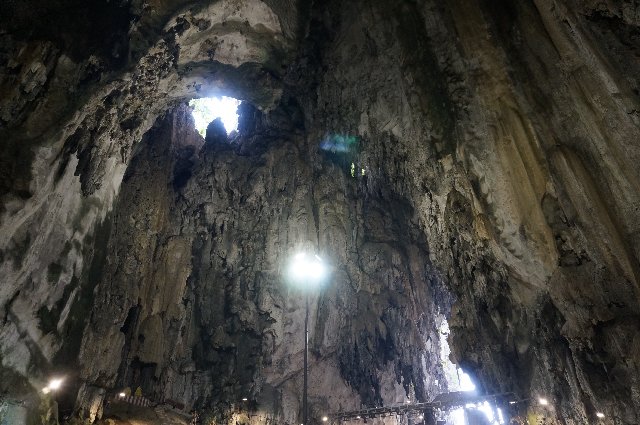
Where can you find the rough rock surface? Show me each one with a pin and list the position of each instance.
(198, 310)
(468, 160)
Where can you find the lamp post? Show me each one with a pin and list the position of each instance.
(306, 271)
(306, 362)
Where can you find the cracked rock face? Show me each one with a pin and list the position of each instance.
(212, 320)
(471, 161)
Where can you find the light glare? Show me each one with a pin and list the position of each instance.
(543, 401)
(457, 416)
(466, 384)
(207, 109)
(600, 415)
(55, 384)
(487, 409)
(492, 414)
(307, 270)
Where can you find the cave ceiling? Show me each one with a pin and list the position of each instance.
(467, 170)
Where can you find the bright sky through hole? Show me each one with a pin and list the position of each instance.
(207, 109)
(458, 380)
(465, 381)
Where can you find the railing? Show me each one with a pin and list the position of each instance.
(132, 399)
(437, 404)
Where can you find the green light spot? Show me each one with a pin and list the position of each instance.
(353, 169)
(363, 171)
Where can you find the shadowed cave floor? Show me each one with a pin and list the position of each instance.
(126, 414)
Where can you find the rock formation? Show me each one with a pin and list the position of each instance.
(465, 161)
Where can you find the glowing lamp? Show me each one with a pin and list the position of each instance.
(55, 384)
(325, 419)
(600, 415)
(307, 270)
(543, 401)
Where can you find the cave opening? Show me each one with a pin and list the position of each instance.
(443, 154)
(458, 380)
(207, 109)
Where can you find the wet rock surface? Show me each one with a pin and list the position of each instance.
(474, 161)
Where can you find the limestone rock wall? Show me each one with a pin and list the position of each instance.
(195, 306)
(562, 127)
(74, 104)
(471, 150)
(505, 127)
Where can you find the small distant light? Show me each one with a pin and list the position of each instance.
(543, 401)
(46, 390)
(600, 415)
(421, 417)
(325, 419)
(512, 402)
(358, 417)
(55, 384)
(121, 395)
(245, 399)
(408, 401)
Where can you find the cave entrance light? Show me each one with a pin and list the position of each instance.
(459, 380)
(207, 109)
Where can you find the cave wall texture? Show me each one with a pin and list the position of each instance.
(496, 185)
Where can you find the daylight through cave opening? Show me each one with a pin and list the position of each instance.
(460, 381)
(468, 160)
(207, 109)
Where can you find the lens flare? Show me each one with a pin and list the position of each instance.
(339, 143)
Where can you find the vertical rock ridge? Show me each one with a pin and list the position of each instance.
(473, 162)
